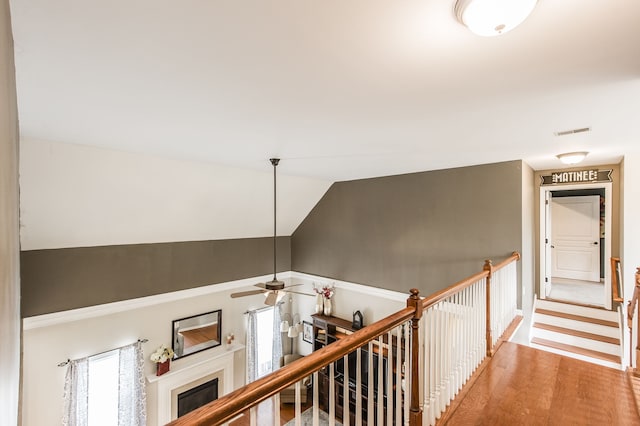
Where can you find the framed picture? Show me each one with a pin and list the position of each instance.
(307, 332)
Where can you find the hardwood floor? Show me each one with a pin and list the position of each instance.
(526, 386)
(265, 413)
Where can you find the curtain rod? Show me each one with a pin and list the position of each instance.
(62, 364)
(264, 308)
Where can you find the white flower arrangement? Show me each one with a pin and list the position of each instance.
(162, 354)
(327, 291)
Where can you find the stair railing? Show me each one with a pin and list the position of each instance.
(464, 324)
(631, 310)
(616, 281)
(434, 343)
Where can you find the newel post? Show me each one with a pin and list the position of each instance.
(636, 290)
(415, 413)
(488, 266)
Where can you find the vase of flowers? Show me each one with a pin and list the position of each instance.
(162, 358)
(324, 294)
(327, 307)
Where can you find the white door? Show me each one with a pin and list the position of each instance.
(575, 237)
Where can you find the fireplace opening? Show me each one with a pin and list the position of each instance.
(198, 396)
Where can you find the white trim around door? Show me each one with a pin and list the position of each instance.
(545, 240)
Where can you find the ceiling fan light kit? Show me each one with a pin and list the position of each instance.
(490, 18)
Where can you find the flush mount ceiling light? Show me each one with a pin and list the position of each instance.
(572, 157)
(493, 17)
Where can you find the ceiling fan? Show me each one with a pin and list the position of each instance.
(275, 289)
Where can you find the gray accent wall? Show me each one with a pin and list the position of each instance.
(10, 329)
(61, 279)
(424, 230)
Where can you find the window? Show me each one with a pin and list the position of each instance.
(103, 389)
(264, 340)
(106, 389)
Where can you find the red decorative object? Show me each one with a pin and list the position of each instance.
(162, 367)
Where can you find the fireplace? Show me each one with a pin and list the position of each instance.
(198, 396)
(185, 375)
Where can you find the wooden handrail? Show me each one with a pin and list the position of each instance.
(439, 296)
(515, 256)
(231, 405)
(234, 403)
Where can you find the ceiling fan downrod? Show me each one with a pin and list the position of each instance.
(275, 284)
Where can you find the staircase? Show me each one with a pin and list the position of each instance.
(589, 334)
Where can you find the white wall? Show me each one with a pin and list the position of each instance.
(374, 303)
(631, 221)
(84, 332)
(9, 242)
(630, 231)
(79, 196)
(527, 262)
(50, 339)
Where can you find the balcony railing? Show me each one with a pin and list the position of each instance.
(405, 368)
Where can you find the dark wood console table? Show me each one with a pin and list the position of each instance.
(327, 330)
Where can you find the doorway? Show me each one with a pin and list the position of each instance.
(574, 243)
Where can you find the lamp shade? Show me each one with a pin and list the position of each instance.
(493, 17)
(293, 331)
(284, 326)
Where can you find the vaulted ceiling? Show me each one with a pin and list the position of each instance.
(341, 90)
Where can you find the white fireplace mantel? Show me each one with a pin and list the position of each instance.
(160, 389)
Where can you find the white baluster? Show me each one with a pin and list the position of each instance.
(316, 414)
(298, 416)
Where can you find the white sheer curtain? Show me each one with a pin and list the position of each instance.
(252, 346)
(253, 343)
(131, 398)
(276, 353)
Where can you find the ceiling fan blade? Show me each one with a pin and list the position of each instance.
(261, 285)
(293, 285)
(298, 292)
(247, 293)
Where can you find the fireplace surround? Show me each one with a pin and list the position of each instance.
(163, 391)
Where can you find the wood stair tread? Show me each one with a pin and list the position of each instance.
(577, 333)
(577, 317)
(576, 350)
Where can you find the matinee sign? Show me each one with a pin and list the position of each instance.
(578, 176)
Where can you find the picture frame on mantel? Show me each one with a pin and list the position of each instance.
(307, 332)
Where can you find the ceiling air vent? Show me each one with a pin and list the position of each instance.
(573, 131)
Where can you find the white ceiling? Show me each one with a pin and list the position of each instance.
(340, 89)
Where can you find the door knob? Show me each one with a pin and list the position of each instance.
(595, 243)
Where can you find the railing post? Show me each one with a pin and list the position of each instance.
(488, 266)
(636, 370)
(415, 414)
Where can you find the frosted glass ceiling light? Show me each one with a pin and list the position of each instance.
(572, 157)
(493, 17)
